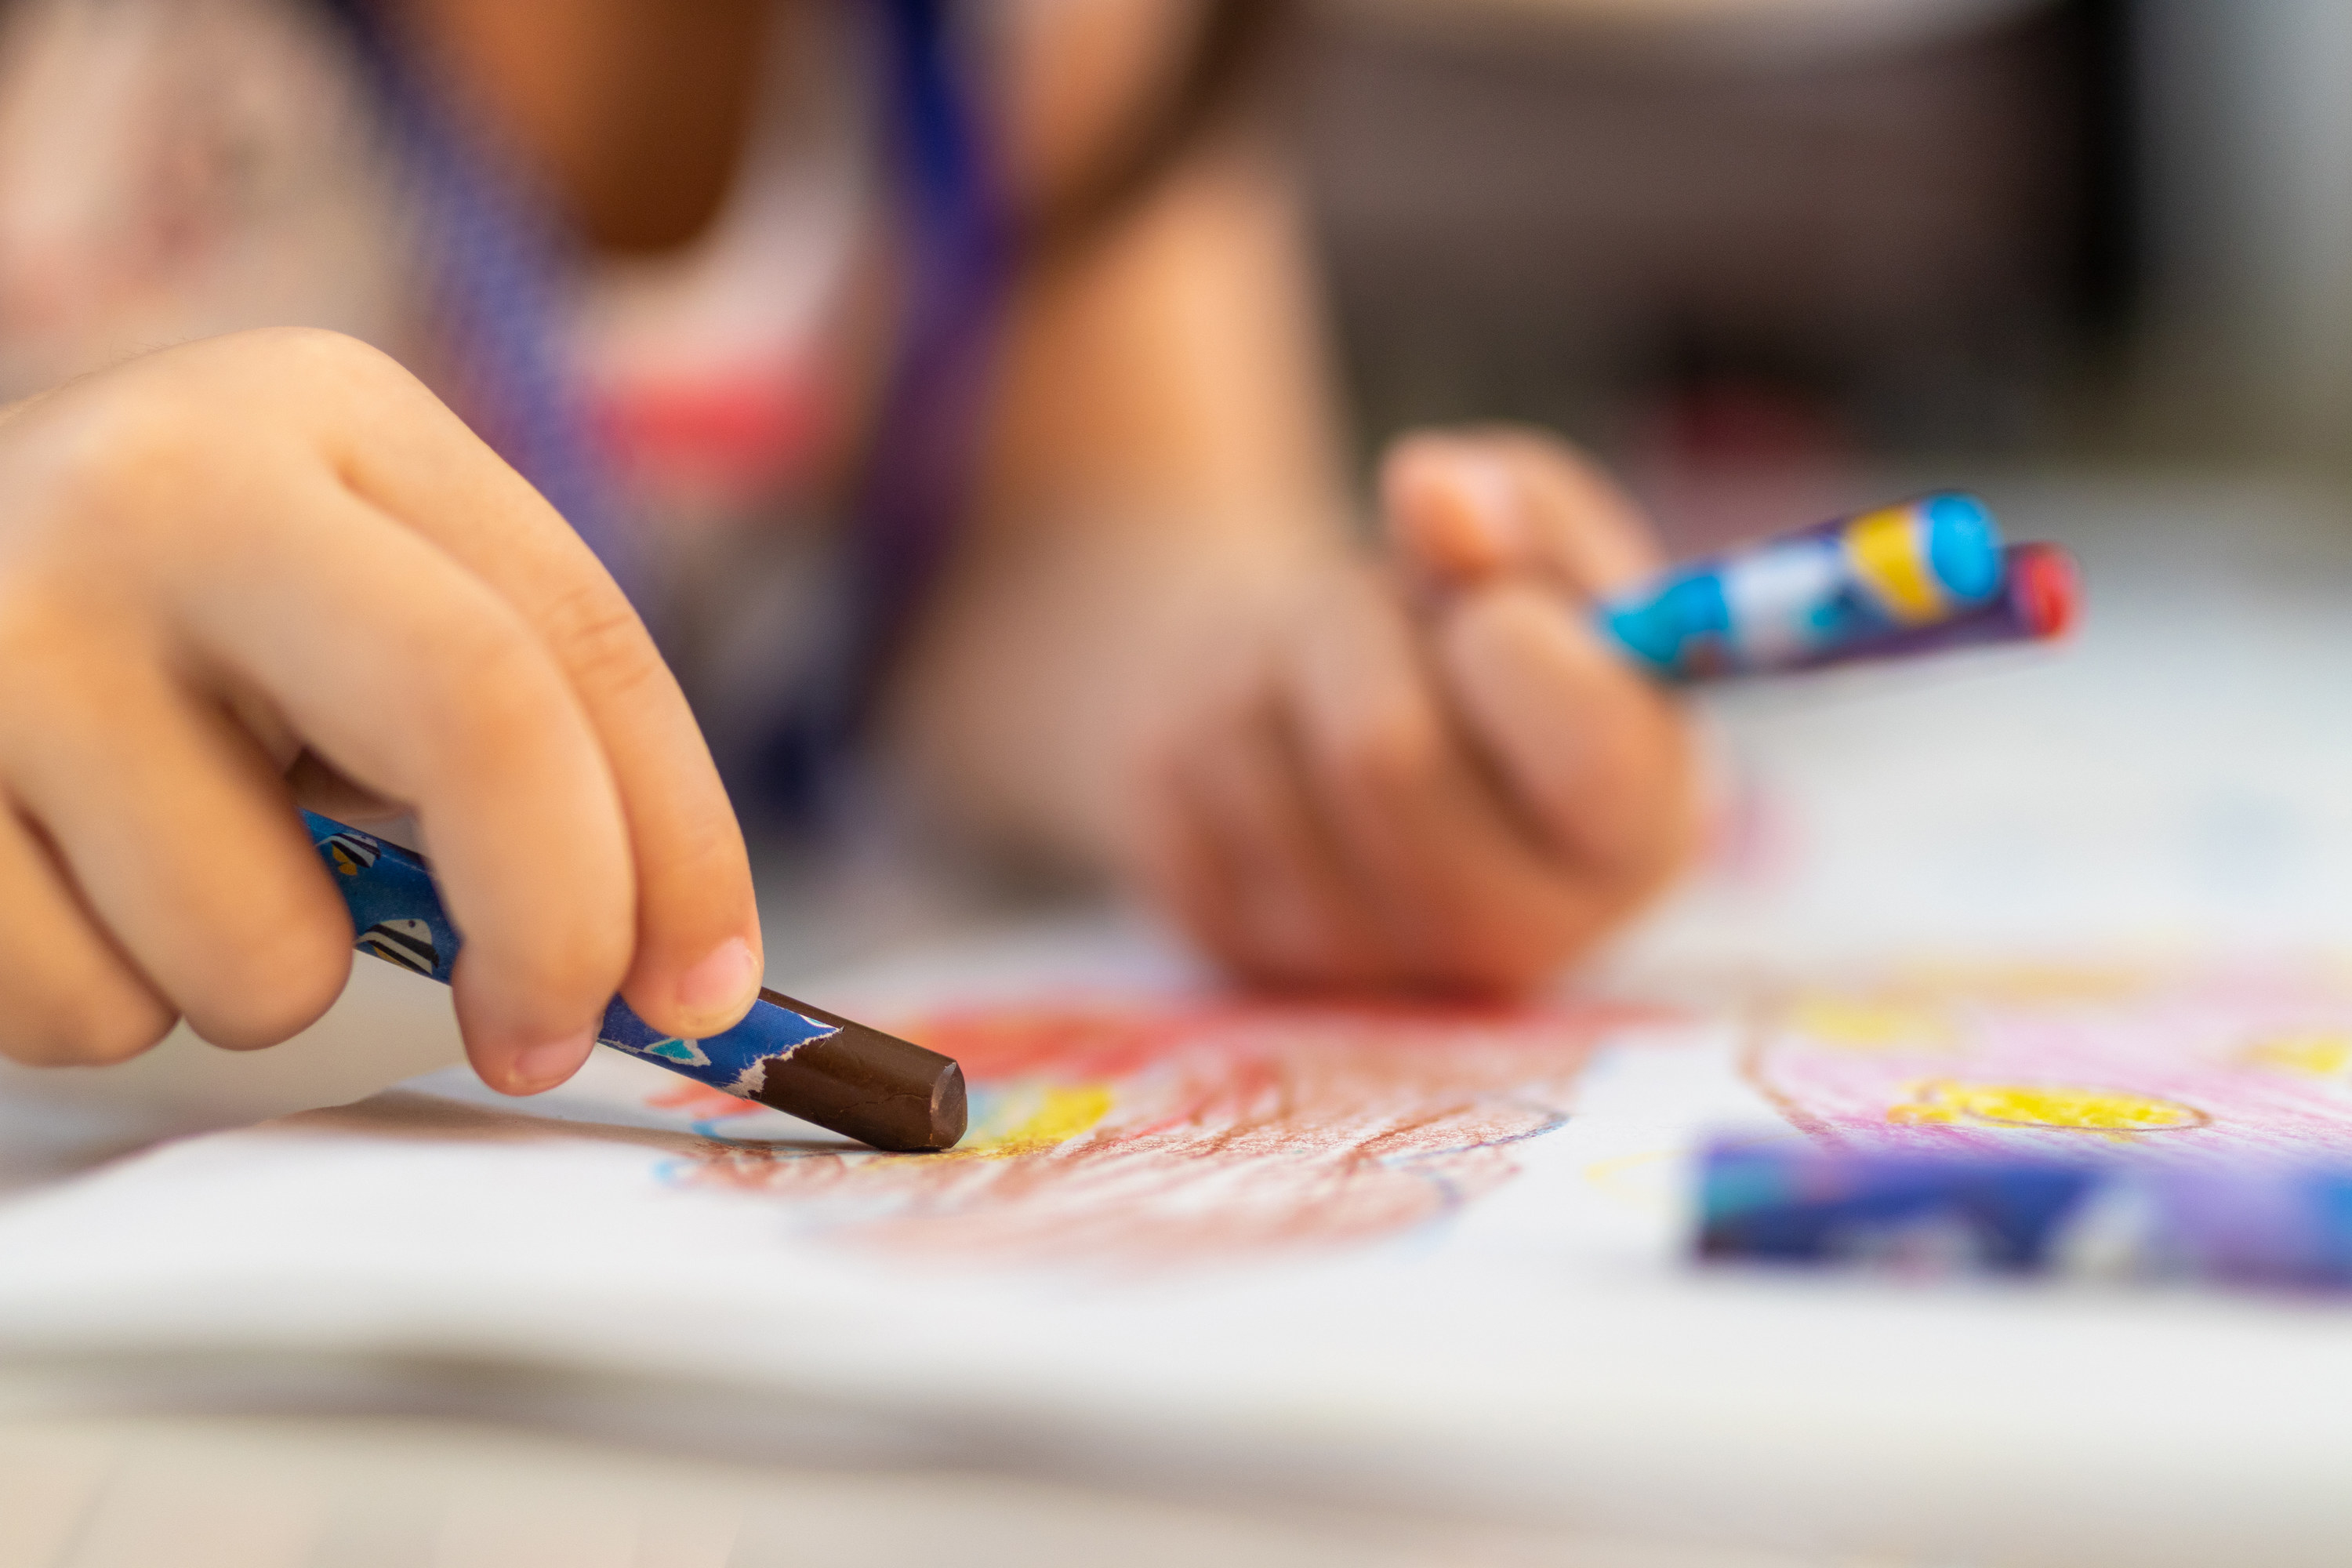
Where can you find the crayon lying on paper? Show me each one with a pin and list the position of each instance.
(1938, 1215)
(1916, 577)
(787, 1055)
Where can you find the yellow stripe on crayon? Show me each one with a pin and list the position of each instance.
(1888, 550)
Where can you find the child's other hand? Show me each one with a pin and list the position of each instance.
(271, 567)
(1430, 772)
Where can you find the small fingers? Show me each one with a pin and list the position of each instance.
(412, 677)
(1598, 757)
(67, 995)
(1464, 892)
(1178, 860)
(298, 530)
(1466, 505)
(1297, 918)
(177, 833)
(697, 955)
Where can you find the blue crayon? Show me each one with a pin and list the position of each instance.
(787, 1054)
(1863, 587)
(2275, 1223)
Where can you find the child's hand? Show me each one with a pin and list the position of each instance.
(1433, 773)
(271, 565)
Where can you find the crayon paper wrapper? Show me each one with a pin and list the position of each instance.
(397, 916)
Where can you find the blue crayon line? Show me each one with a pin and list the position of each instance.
(1875, 585)
(2272, 1223)
(397, 914)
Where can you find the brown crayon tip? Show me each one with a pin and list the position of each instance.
(866, 1085)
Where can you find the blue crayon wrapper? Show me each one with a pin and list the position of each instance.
(1811, 597)
(2277, 1224)
(397, 916)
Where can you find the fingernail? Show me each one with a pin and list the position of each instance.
(722, 986)
(538, 1069)
(1492, 489)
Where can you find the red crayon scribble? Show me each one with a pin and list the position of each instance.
(701, 1101)
(1130, 1138)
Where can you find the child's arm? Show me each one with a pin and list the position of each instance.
(1402, 764)
(271, 567)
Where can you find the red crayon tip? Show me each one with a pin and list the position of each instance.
(2045, 590)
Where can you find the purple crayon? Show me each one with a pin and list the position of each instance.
(2277, 1224)
(1915, 577)
(2039, 600)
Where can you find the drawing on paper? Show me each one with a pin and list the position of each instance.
(2171, 1066)
(1148, 1137)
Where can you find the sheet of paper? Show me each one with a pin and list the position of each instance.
(1363, 1254)
(1401, 1254)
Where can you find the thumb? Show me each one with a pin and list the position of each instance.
(1467, 506)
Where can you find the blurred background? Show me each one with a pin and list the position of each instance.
(1733, 243)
